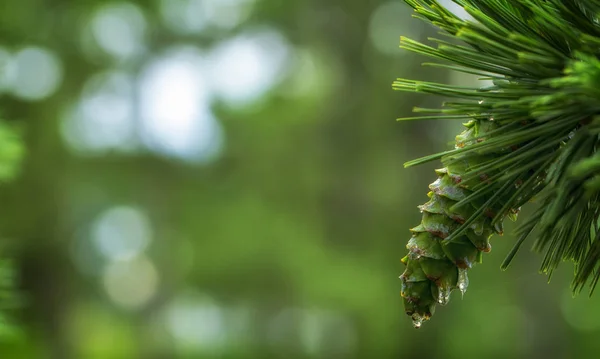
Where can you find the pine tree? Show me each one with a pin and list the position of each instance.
(532, 133)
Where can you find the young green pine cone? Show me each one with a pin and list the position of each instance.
(437, 264)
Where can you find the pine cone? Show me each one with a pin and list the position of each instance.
(452, 235)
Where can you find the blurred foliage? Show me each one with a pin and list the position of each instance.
(283, 243)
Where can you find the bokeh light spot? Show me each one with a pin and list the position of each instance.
(196, 323)
(103, 119)
(184, 16)
(227, 13)
(194, 16)
(131, 284)
(119, 29)
(175, 108)
(35, 73)
(244, 68)
(121, 233)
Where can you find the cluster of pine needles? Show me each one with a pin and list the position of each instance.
(541, 62)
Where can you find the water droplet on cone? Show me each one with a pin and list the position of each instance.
(463, 280)
(443, 296)
(477, 228)
(417, 320)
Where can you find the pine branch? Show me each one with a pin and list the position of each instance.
(533, 133)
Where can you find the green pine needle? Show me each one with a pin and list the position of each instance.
(543, 61)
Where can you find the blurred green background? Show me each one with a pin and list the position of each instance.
(224, 179)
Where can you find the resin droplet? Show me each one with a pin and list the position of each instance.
(463, 280)
(417, 321)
